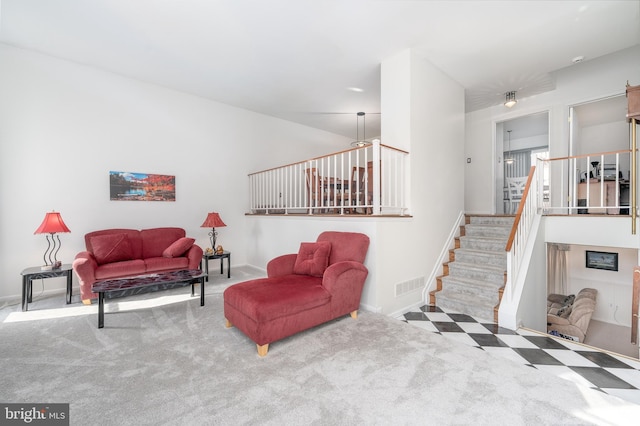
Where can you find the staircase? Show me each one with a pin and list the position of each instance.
(474, 277)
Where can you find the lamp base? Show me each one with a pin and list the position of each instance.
(56, 265)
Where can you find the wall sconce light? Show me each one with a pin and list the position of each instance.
(510, 99)
(52, 224)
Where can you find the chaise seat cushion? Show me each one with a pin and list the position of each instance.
(266, 300)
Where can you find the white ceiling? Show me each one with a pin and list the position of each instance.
(297, 59)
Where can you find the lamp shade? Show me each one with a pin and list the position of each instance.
(52, 224)
(212, 221)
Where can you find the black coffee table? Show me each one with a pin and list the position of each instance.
(121, 287)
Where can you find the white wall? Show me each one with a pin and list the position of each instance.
(64, 126)
(615, 288)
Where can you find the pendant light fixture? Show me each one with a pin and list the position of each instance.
(360, 142)
(508, 159)
(510, 99)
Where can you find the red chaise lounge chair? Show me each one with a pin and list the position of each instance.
(322, 282)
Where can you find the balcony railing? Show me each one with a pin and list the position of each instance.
(585, 184)
(363, 180)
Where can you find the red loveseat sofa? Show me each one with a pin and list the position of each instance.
(322, 282)
(115, 253)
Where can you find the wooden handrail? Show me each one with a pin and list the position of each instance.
(525, 194)
(328, 155)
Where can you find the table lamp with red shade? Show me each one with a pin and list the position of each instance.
(52, 224)
(213, 221)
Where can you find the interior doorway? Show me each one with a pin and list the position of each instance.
(519, 141)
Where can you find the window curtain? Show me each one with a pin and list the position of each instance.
(520, 166)
(557, 268)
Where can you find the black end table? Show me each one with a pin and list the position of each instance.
(207, 257)
(30, 274)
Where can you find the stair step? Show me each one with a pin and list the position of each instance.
(497, 220)
(467, 304)
(484, 289)
(483, 243)
(487, 230)
(483, 257)
(477, 272)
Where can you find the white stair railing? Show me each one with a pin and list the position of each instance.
(527, 211)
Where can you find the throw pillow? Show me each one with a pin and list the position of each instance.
(111, 248)
(313, 258)
(565, 312)
(178, 247)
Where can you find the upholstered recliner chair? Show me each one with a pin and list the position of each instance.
(573, 320)
(323, 281)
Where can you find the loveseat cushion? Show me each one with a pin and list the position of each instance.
(156, 240)
(178, 247)
(313, 258)
(111, 248)
(266, 299)
(157, 264)
(120, 269)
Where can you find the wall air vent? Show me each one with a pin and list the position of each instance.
(409, 286)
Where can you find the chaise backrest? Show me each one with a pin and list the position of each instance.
(346, 246)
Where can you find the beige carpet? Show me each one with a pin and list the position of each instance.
(611, 337)
(163, 359)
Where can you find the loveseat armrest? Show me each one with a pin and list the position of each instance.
(345, 281)
(194, 254)
(554, 319)
(281, 265)
(85, 266)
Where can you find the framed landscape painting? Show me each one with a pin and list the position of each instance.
(602, 260)
(129, 186)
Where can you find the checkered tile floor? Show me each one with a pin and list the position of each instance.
(614, 374)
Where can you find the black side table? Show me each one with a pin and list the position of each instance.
(207, 257)
(30, 274)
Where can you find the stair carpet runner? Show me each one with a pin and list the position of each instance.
(475, 275)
